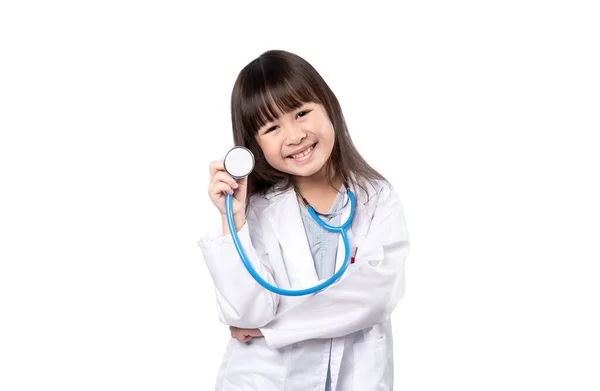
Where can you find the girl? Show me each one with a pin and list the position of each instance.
(339, 338)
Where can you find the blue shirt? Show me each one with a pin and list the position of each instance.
(323, 245)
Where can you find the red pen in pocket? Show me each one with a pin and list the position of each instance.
(354, 256)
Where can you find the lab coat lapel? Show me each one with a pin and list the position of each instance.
(285, 219)
(363, 212)
(341, 250)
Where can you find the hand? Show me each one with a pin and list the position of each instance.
(220, 183)
(244, 335)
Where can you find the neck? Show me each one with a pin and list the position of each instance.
(317, 182)
(317, 190)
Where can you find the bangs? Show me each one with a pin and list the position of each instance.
(267, 96)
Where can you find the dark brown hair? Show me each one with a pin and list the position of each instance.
(285, 80)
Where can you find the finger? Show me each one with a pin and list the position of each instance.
(222, 176)
(255, 333)
(219, 188)
(242, 183)
(216, 166)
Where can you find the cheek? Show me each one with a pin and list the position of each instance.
(269, 160)
(273, 157)
(328, 135)
(269, 151)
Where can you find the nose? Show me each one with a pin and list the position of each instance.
(294, 134)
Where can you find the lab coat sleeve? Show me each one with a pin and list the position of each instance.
(241, 301)
(366, 295)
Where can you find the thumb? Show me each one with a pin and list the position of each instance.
(243, 185)
(240, 193)
(242, 181)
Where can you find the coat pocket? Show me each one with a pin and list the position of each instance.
(372, 365)
(254, 366)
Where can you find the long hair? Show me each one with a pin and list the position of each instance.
(279, 81)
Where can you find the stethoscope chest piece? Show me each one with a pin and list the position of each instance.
(239, 162)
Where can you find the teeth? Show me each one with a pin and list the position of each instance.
(302, 154)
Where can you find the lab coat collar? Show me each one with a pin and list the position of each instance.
(283, 214)
(286, 223)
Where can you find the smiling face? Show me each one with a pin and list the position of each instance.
(298, 142)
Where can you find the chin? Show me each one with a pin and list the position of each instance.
(308, 172)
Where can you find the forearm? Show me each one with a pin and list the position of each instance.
(241, 301)
(238, 221)
(364, 298)
(252, 309)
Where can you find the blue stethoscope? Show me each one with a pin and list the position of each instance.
(239, 163)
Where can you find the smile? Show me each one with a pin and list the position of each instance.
(304, 153)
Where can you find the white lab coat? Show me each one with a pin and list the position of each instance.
(354, 312)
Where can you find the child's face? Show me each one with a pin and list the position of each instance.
(299, 142)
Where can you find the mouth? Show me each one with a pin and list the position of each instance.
(302, 155)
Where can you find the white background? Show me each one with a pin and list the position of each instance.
(484, 115)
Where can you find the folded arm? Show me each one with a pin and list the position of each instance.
(241, 301)
(364, 296)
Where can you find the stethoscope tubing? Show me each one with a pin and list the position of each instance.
(289, 292)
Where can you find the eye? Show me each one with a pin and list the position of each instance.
(272, 128)
(302, 113)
